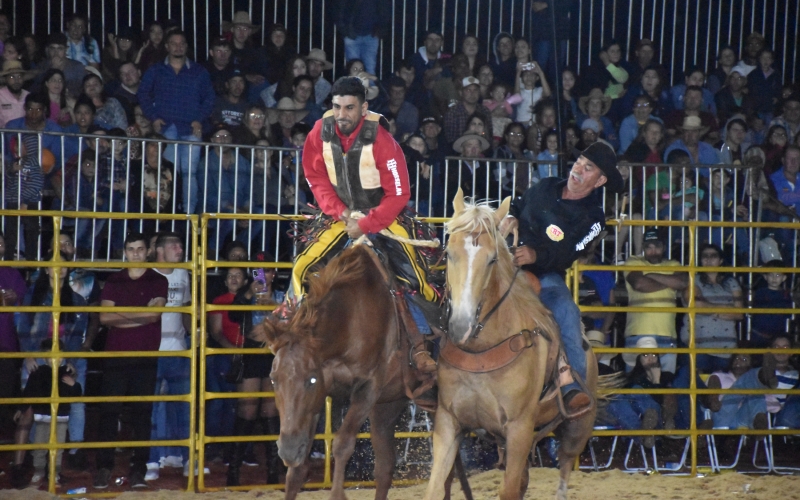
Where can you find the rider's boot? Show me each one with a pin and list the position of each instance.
(420, 357)
(576, 401)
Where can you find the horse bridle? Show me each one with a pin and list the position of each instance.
(479, 325)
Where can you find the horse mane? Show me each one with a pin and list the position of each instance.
(480, 217)
(476, 217)
(350, 266)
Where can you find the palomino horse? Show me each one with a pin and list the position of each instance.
(498, 390)
(344, 340)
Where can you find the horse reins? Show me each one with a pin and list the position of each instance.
(479, 326)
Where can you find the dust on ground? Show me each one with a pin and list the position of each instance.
(608, 484)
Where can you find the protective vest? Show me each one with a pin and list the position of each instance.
(354, 175)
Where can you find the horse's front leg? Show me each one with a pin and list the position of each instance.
(361, 402)
(446, 440)
(295, 477)
(519, 439)
(382, 421)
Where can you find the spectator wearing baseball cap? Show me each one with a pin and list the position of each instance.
(445, 89)
(656, 288)
(456, 119)
(219, 64)
(229, 108)
(734, 97)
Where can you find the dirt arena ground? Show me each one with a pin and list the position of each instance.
(611, 484)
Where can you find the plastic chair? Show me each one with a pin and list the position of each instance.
(769, 452)
(667, 467)
(712, 448)
(414, 423)
(591, 443)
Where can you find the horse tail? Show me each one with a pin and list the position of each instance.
(606, 385)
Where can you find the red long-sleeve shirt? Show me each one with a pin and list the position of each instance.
(391, 166)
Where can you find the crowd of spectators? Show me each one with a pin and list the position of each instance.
(510, 120)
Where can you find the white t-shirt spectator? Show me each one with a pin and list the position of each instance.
(173, 333)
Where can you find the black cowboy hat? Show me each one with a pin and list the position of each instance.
(606, 160)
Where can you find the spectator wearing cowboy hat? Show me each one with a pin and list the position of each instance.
(282, 118)
(316, 63)
(700, 153)
(596, 105)
(245, 54)
(470, 172)
(12, 95)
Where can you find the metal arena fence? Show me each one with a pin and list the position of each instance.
(123, 175)
(688, 32)
(200, 265)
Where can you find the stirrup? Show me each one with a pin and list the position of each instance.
(422, 360)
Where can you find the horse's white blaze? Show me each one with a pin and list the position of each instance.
(466, 308)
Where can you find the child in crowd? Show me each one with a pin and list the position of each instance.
(39, 385)
(501, 105)
(528, 74)
(765, 327)
(549, 154)
(293, 167)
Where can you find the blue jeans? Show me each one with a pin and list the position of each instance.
(171, 418)
(77, 411)
(186, 162)
(365, 48)
(418, 315)
(739, 410)
(789, 416)
(626, 410)
(681, 381)
(668, 361)
(220, 413)
(556, 296)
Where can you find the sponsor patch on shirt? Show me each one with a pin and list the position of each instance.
(555, 233)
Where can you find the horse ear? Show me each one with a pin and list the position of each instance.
(458, 202)
(502, 211)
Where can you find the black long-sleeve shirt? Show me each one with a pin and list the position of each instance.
(39, 385)
(556, 228)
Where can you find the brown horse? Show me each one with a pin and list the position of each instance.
(492, 303)
(342, 341)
